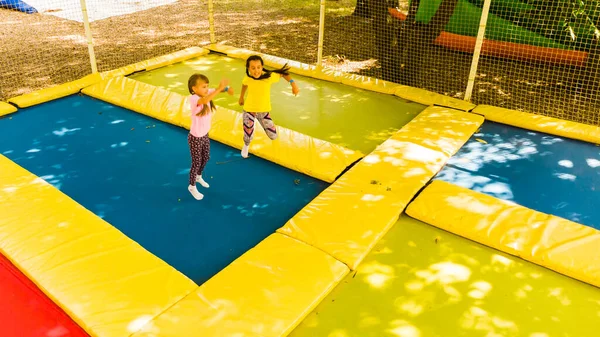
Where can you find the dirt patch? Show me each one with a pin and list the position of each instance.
(43, 50)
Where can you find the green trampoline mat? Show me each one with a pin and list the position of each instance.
(355, 118)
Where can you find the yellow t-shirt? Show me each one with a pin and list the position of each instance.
(259, 93)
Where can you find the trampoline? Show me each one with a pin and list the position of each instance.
(423, 281)
(352, 223)
(132, 171)
(352, 117)
(547, 173)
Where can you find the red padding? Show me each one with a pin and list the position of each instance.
(25, 311)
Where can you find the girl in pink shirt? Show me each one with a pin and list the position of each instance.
(202, 106)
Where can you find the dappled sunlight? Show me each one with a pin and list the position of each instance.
(479, 289)
(470, 204)
(593, 163)
(445, 273)
(377, 275)
(138, 323)
(402, 328)
(478, 319)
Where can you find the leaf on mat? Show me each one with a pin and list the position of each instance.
(481, 141)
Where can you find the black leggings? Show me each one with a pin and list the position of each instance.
(200, 151)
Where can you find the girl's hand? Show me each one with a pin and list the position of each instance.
(295, 89)
(230, 91)
(241, 101)
(224, 82)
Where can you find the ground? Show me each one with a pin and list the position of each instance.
(44, 50)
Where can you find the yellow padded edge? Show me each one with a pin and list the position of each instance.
(431, 98)
(49, 94)
(314, 157)
(348, 218)
(369, 83)
(555, 243)
(266, 292)
(105, 281)
(157, 62)
(540, 123)
(6, 108)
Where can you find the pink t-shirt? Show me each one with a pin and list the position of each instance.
(200, 124)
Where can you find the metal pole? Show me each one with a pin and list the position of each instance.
(211, 22)
(321, 34)
(88, 34)
(477, 51)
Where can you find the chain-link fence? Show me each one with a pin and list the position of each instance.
(537, 56)
(542, 56)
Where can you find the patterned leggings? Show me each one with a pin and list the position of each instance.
(200, 151)
(265, 121)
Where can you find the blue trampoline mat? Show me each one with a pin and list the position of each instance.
(132, 171)
(550, 174)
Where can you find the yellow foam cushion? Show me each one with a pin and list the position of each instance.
(221, 48)
(369, 83)
(266, 292)
(413, 155)
(555, 243)
(141, 97)
(6, 108)
(106, 282)
(541, 123)
(431, 98)
(295, 66)
(156, 62)
(296, 151)
(349, 217)
(440, 129)
(49, 94)
(175, 57)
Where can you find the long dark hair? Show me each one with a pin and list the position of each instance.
(192, 82)
(267, 73)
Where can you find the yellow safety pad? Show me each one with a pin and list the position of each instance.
(106, 282)
(156, 62)
(431, 98)
(348, 218)
(6, 108)
(369, 83)
(540, 123)
(222, 48)
(266, 292)
(296, 151)
(317, 158)
(555, 243)
(169, 107)
(49, 94)
(233, 52)
(413, 155)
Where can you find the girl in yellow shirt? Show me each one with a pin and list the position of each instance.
(257, 105)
